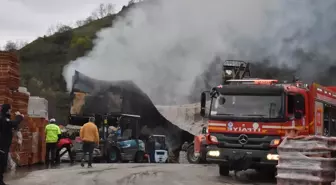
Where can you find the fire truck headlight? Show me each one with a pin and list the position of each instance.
(275, 142)
(273, 157)
(214, 153)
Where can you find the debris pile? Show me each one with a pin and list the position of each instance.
(91, 96)
(186, 117)
(306, 160)
(28, 141)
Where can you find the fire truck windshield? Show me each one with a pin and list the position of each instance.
(266, 106)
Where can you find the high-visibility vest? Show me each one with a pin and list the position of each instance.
(52, 131)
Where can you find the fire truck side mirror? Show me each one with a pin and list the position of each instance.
(203, 102)
(204, 130)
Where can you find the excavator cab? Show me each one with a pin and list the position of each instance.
(235, 69)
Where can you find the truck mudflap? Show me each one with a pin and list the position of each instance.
(241, 159)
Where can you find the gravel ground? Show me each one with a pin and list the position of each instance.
(138, 174)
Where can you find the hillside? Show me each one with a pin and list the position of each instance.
(42, 62)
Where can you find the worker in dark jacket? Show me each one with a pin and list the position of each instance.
(6, 135)
(151, 149)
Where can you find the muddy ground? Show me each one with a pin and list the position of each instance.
(137, 174)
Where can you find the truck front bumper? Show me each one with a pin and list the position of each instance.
(251, 158)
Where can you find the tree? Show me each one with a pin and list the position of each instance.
(51, 30)
(94, 15)
(103, 10)
(61, 28)
(80, 23)
(110, 9)
(88, 20)
(83, 42)
(20, 44)
(10, 46)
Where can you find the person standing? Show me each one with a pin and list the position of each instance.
(6, 135)
(151, 149)
(52, 133)
(90, 136)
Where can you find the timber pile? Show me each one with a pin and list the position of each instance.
(9, 71)
(306, 160)
(28, 146)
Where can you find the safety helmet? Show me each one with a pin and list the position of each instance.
(52, 120)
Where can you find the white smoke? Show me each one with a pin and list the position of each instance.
(162, 45)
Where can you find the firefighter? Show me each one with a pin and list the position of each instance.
(52, 133)
(6, 135)
(90, 136)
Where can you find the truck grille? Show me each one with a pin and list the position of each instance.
(254, 141)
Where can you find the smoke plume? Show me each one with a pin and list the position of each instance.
(163, 45)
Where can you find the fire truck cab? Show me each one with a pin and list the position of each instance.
(248, 118)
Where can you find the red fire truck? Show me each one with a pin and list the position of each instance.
(248, 118)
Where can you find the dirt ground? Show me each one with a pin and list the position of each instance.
(134, 174)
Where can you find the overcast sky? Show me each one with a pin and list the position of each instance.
(28, 19)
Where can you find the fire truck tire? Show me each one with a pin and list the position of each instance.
(224, 170)
(191, 156)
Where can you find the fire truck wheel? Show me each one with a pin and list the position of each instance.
(224, 170)
(191, 156)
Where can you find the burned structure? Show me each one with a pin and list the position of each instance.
(96, 97)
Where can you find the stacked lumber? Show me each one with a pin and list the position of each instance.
(32, 148)
(306, 160)
(38, 139)
(38, 116)
(28, 146)
(6, 96)
(9, 71)
(20, 102)
(20, 151)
